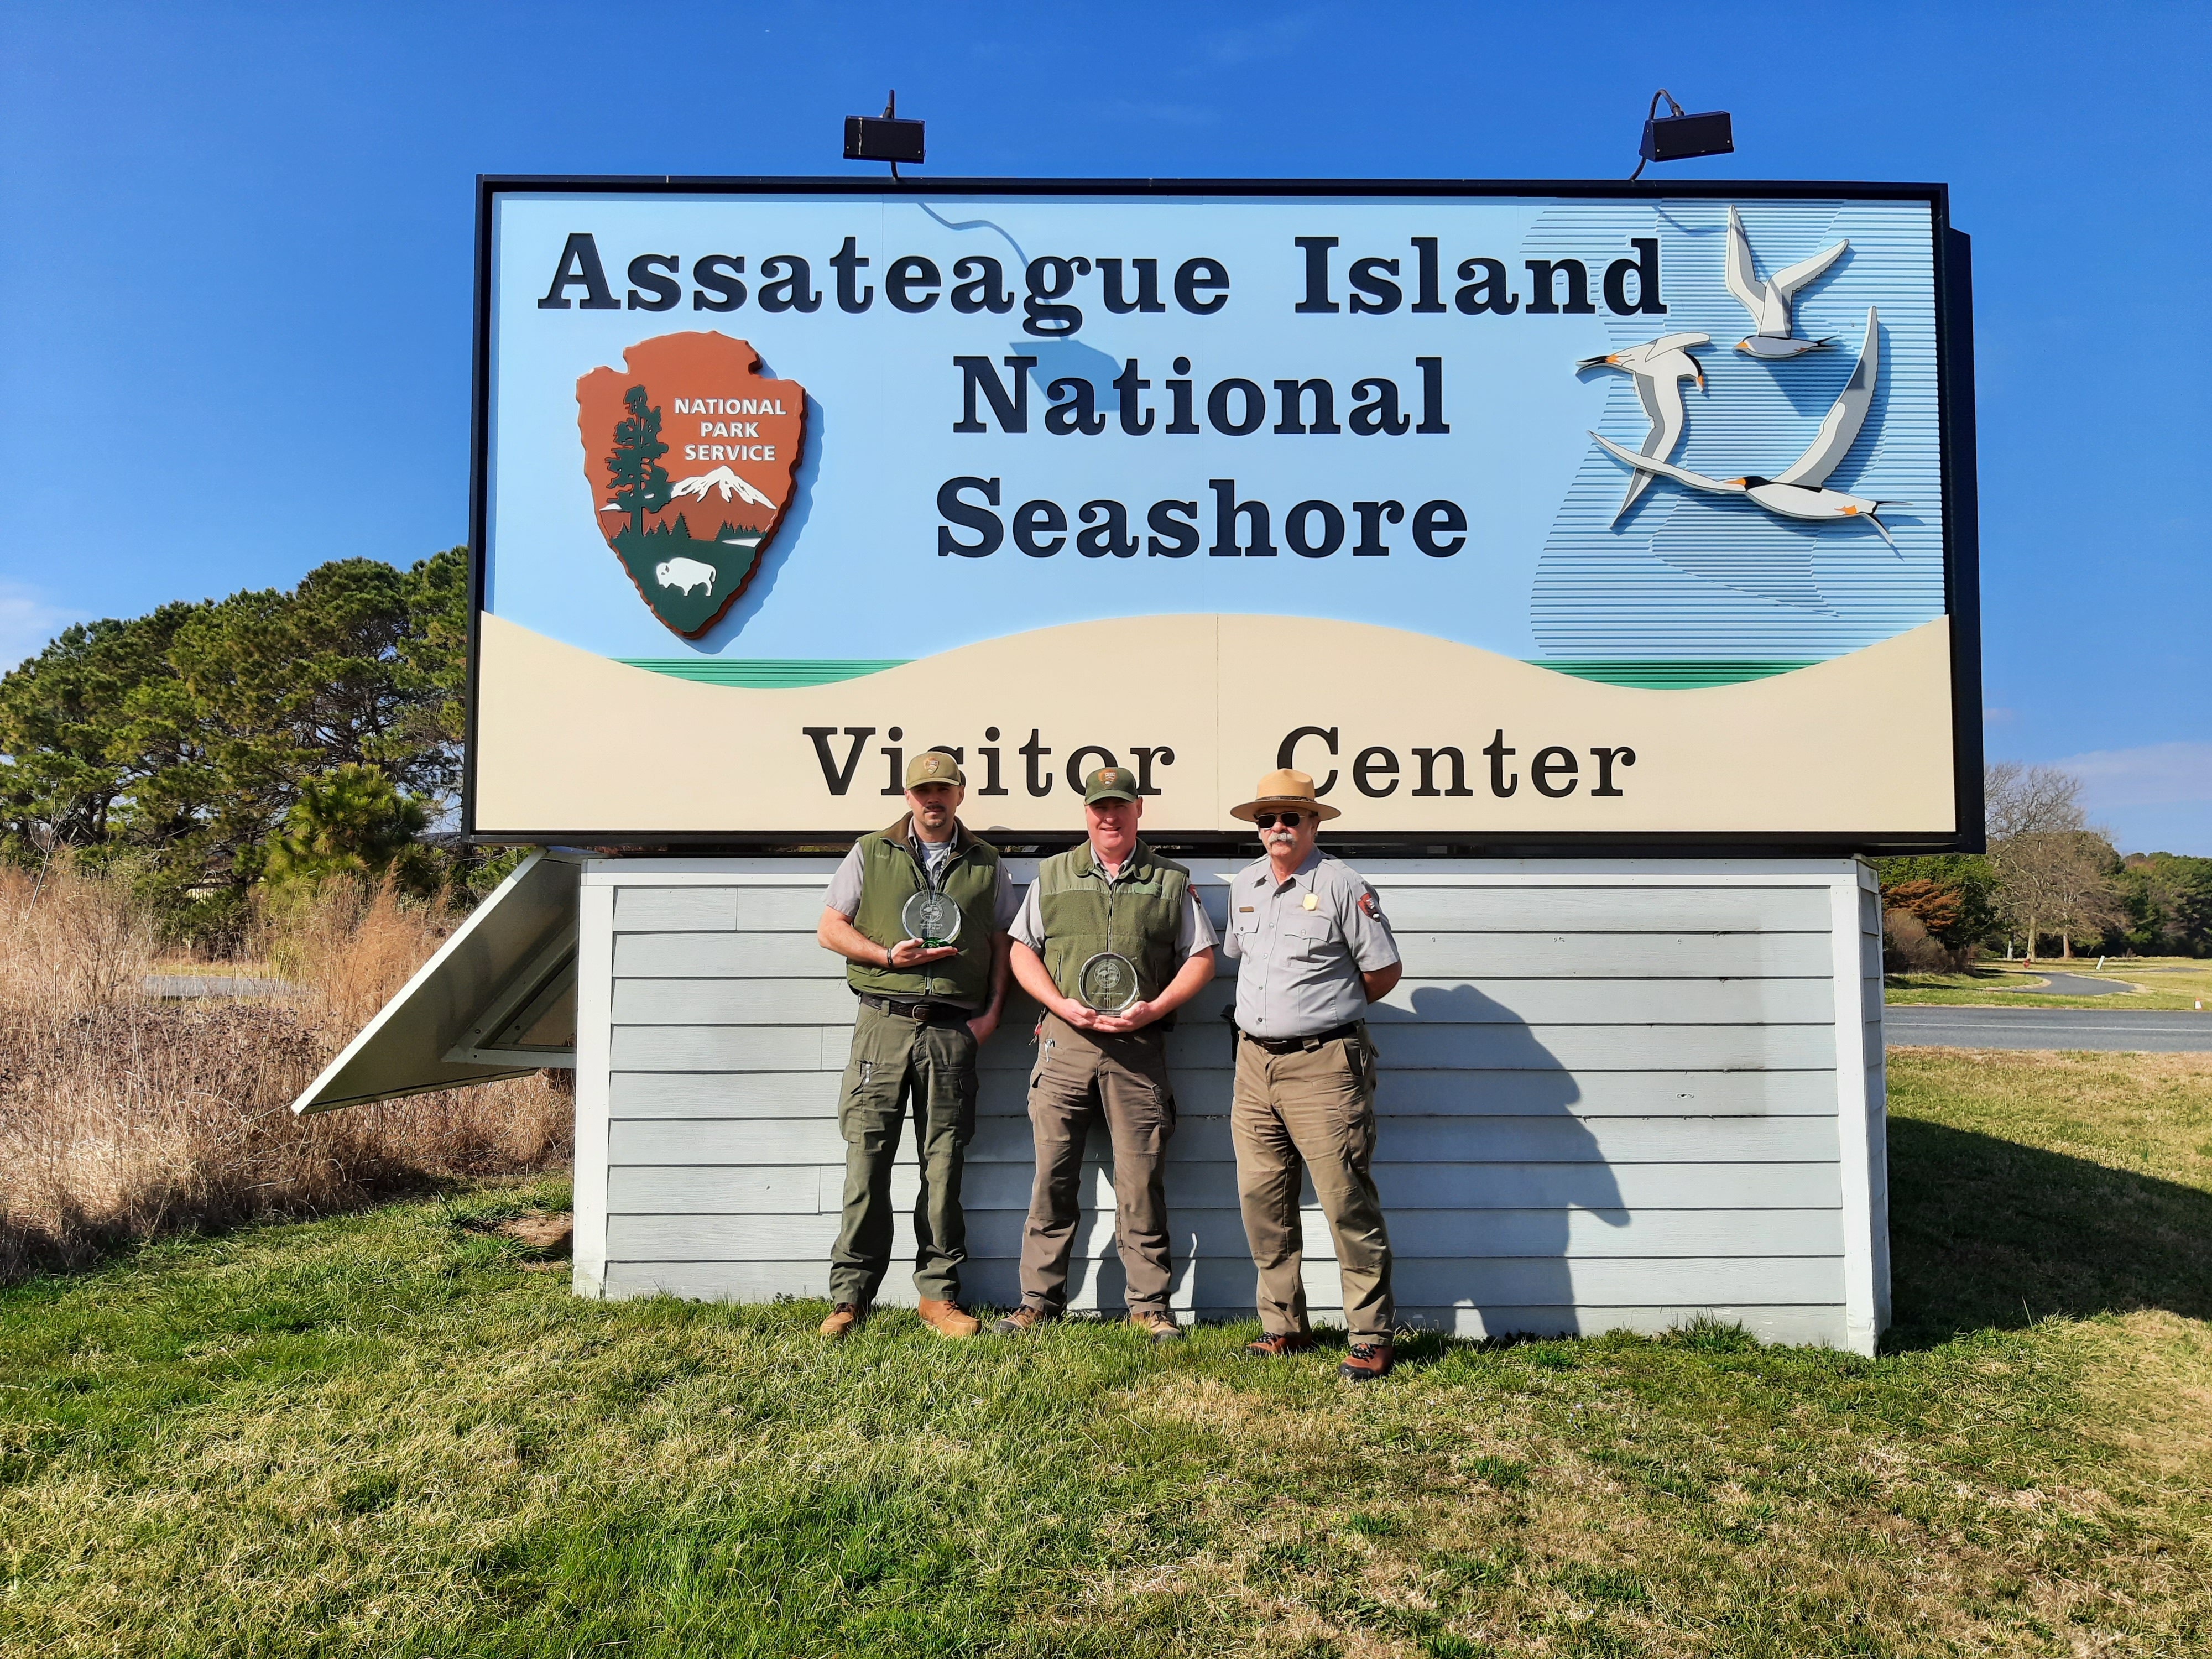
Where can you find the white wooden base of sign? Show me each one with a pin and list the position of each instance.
(1616, 1094)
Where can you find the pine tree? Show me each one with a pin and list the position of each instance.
(640, 483)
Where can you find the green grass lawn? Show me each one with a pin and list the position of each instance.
(2168, 983)
(397, 1433)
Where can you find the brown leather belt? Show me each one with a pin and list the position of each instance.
(922, 1014)
(1291, 1045)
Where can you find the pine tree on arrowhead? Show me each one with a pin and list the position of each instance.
(641, 482)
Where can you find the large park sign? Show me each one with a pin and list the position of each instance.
(1521, 516)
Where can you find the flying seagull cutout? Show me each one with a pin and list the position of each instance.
(1797, 491)
(1659, 368)
(1773, 328)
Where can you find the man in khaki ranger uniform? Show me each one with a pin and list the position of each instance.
(924, 1010)
(1111, 894)
(1313, 950)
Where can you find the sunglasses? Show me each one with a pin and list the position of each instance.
(1288, 820)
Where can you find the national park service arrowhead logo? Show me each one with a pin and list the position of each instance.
(690, 451)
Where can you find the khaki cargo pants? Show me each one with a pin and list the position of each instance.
(895, 1061)
(1079, 1075)
(1312, 1109)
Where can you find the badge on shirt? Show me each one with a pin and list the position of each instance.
(1312, 902)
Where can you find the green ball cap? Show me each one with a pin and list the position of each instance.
(935, 766)
(1110, 783)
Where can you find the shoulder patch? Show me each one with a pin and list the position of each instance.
(1370, 904)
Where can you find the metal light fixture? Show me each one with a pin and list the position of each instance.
(1679, 137)
(883, 137)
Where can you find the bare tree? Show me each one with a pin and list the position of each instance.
(2029, 800)
(2054, 870)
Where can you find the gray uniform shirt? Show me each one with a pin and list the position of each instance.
(1302, 945)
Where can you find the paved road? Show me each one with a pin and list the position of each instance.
(2118, 1030)
(214, 984)
(2076, 985)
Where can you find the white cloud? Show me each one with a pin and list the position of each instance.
(27, 621)
(1275, 38)
(2156, 774)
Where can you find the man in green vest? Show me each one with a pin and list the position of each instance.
(926, 1008)
(1113, 896)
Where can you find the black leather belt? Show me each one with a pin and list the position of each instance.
(922, 1014)
(1291, 1045)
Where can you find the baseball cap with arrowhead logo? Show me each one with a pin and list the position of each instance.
(1110, 783)
(935, 766)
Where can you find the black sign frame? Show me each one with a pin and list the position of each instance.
(1954, 338)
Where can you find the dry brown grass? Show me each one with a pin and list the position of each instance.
(124, 1117)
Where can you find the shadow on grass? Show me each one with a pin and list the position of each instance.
(77, 1245)
(1988, 1233)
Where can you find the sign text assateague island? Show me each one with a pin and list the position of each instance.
(980, 516)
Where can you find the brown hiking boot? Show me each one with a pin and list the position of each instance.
(1156, 1325)
(1276, 1344)
(1367, 1358)
(1024, 1320)
(844, 1319)
(946, 1319)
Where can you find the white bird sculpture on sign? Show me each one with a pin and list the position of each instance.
(1658, 368)
(1797, 491)
(1773, 328)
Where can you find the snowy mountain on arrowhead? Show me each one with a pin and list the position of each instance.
(728, 482)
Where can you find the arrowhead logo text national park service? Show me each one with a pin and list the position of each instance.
(690, 451)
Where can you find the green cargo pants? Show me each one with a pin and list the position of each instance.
(896, 1060)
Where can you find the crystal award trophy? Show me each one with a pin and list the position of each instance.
(933, 918)
(1107, 982)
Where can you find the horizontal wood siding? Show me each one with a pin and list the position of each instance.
(1436, 1091)
(1605, 1102)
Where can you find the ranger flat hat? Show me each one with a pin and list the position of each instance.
(1110, 783)
(933, 767)
(1281, 789)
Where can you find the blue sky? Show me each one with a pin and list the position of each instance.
(238, 239)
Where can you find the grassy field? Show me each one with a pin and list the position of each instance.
(397, 1433)
(2152, 983)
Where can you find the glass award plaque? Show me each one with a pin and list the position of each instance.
(1107, 982)
(933, 918)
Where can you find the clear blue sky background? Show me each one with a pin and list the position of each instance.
(236, 240)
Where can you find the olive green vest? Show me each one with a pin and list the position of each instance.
(890, 876)
(1137, 915)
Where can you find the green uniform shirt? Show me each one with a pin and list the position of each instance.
(1148, 912)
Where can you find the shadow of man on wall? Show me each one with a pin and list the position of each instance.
(1466, 1082)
